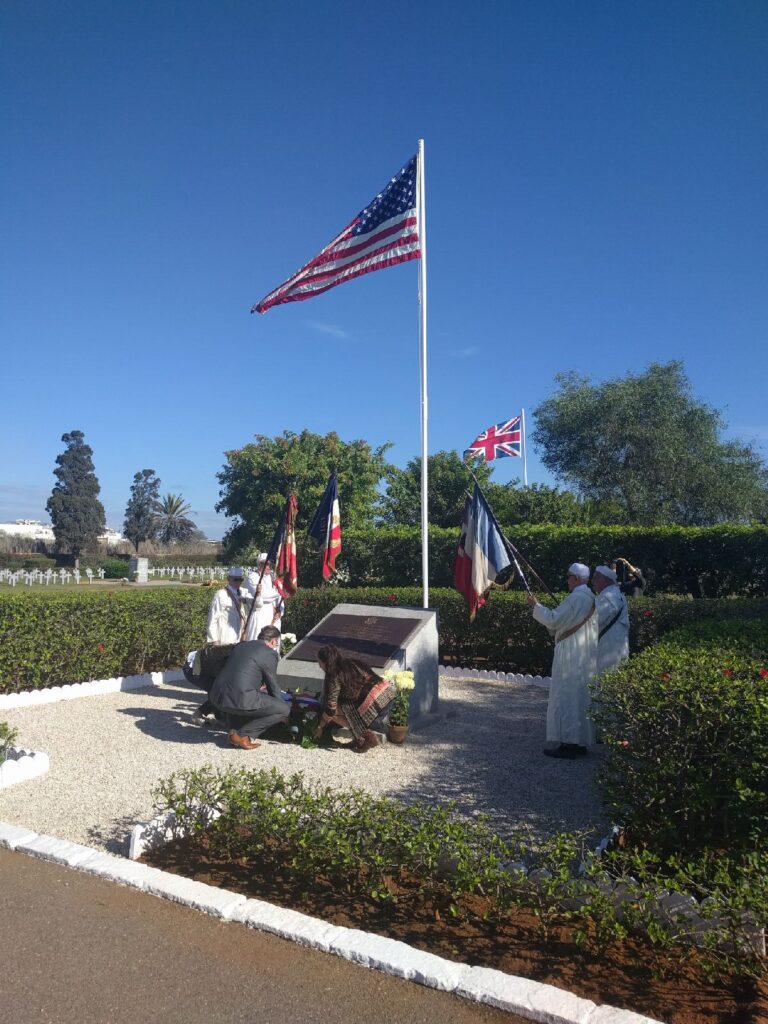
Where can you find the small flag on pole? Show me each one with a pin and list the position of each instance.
(481, 553)
(282, 553)
(383, 234)
(498, 441)
(325, 528)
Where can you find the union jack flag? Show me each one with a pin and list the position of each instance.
(497, 442)
(381, 235)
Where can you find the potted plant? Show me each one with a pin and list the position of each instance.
(397, 727)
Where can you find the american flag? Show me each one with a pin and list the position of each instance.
(497, 442)
(381, 235)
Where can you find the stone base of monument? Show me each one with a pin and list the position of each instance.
(385, 638)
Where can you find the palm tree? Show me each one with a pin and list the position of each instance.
(173, 526)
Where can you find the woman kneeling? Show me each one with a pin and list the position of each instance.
(353, 696)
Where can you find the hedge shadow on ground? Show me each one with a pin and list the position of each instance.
(484, 751)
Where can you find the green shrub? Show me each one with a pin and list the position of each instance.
(115, 568)
(686, 722)
(8, 736)
(716, 561)
(26, 562)
(48, 639)
(366, 847)
(48, 636)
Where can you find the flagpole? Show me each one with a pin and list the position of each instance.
(525, 449)
(421, 225)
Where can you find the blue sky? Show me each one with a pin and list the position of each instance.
(596, 200)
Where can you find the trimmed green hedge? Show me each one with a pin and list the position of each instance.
(48, 638)
(716, 561)
(686, 723)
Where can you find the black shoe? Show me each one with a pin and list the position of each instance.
(570, 751)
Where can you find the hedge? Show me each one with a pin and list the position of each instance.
(716, 561)
(686, 724)
(49, 638)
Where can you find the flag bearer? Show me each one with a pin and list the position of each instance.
(574, 625)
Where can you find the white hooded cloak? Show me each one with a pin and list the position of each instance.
(573, 666)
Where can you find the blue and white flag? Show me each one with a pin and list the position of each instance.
(481, 554)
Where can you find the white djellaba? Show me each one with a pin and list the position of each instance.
(264, 603)
(612, 621)
(574, 663)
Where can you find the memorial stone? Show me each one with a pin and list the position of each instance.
(137, 570)
(385, 638)
(89, 574)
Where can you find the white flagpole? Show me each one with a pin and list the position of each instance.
(421, 226)
(525, 449)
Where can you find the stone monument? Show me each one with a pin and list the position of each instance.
(385, 638)
(138, 569)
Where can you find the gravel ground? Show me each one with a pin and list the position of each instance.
(483, 750)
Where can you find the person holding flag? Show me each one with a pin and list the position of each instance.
(268, 604)
(269, 592)
(325, 528)
(574, 626)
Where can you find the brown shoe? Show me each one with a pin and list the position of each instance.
(244, 742)
(368, 742)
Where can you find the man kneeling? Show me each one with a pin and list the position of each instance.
(237, 691)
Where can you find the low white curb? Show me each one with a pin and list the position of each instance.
(531, 999)
(523, 679)
(90, 689)
(22, 764)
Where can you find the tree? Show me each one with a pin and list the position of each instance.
(77, 515)
(257, 480)
(646, 444)
(448, 481)
(172, 525)
(540, 503)
(142, 508)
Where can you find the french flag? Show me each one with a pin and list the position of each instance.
(481, 553)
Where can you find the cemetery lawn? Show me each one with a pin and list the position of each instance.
(626, 974)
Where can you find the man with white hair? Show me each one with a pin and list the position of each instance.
(267, 600)
(574, 626)
(612, 619)
(228, 611)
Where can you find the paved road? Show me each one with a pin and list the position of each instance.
(76, 949)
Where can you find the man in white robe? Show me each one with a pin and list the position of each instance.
(228, 611)
(574, 665)
(226, 620)
(267, 602)
(612, 619)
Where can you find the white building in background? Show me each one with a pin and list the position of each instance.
(34, 530)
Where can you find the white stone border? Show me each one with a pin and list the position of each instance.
(530, 999)
(455, 672)
(22, 764)
(71, 691)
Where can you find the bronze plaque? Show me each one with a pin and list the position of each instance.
(372, 638)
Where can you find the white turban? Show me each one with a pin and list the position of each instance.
(605, 570)
(235, 571)
(579, 570)
(262, 558)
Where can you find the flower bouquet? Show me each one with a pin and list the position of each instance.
(400, 706)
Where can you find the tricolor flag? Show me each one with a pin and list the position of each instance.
(381, 235)
(282, 552)
(325, 528)
(481, 553)
(498, 441)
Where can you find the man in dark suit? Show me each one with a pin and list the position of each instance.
(237, 691)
